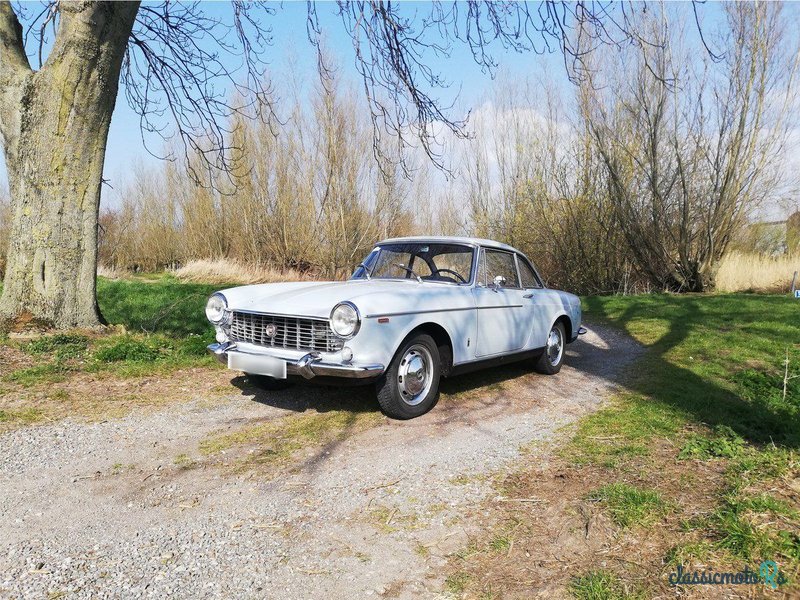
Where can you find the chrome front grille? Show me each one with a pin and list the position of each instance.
(295, 333)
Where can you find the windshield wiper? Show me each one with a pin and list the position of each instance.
(409, 269)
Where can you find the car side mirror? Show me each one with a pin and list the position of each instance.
(498, 282)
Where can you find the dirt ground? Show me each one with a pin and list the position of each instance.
(136, 507)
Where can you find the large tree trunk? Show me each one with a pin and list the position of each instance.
(54, 124)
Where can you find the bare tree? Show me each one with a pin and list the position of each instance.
(692, 147)
(54, 119)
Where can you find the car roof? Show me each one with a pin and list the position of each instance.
(471, 241)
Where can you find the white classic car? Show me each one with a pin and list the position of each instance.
(415, 310)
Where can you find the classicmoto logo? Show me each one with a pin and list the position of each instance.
(767, 574)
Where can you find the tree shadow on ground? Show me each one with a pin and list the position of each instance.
(761, 418)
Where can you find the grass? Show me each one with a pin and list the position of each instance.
(629, 505)
(600, 585)
(275, 442)
(723, 443)
(755, 272)
(456, 583)
(719, 363)
(25, 416)
(160, 304)
(696, 461)
(713, 378)
(47, 373)
(233, 271)
(158, 327)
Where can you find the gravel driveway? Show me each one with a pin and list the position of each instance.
(103, 510)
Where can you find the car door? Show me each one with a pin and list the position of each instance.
(538, 301)
(504, 316)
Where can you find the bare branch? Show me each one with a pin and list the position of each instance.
(179, 79)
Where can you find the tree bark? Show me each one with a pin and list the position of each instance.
(54, 124)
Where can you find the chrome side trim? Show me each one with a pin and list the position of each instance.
(438, 310)
(418, 312)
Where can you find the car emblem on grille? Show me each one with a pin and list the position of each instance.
(270, 329)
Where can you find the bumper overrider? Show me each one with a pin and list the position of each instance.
(307, 366)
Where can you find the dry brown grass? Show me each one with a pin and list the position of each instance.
(740, 272)
(232, 271)
(111, 272)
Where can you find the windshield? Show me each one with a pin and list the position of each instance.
(444, 263)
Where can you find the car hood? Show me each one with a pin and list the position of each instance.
(317, 298)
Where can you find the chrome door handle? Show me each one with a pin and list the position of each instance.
(528, 296)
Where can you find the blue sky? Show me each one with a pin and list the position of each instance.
(468, 82)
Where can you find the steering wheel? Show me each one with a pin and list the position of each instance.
(437, 271)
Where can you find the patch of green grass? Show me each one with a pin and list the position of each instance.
(163, 305)
(600, 585)
(500, 543)
(456, 583)
(621, 431)
(128, 348)
(276, 441)
(760, 464)
(689, 552)
(725, 443)
(766, 503)
(63, 346)
(134, 356)
(184, 461)
(629, 505)
(44, 373)
(736, 534)
(25, 416)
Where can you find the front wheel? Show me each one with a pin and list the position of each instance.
(410, 386)
(552, 358)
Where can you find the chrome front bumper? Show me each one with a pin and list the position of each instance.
(307, 366)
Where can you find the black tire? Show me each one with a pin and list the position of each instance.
(547, 363)
(395, 389)
(270, 384)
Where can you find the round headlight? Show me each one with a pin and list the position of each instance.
(215, 308)
(345, 320)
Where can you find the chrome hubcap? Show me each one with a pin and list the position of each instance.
(414, 376)
(555, 346)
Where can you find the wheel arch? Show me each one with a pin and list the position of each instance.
(443, 342)
(567, 322)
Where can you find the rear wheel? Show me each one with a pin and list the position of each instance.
(552, 358)
(410, 386)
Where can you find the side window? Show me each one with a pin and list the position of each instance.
(529, 279)
(501, 264)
